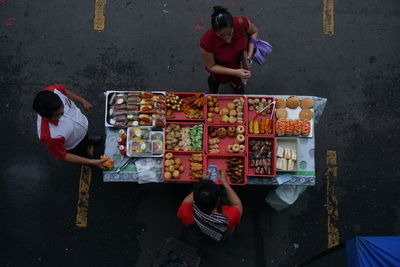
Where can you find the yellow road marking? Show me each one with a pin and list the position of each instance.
(331, 199)
(84, 186)
(98, 22)
(328, 17)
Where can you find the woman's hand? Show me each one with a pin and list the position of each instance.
(250, 52)
(243, 74)
(222, 176)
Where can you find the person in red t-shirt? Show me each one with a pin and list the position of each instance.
(222, 46)
(202, 213)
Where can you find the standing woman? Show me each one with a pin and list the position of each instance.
(221, 48)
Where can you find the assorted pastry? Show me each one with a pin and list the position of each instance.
(294, 127)
(191, 106)
(235, 133)
(184, 138)
(196, 166)
(136, 109)
(173, 166)
(233, 112)
(286, 159)
(261, 126)
(259, 105)
(260, 156)
(235, 170)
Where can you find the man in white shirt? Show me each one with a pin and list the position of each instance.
(61, 125)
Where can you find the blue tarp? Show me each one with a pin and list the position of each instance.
(373, 251)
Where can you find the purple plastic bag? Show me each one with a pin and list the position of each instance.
(262, 50)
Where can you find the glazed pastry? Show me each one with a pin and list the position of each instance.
(281, 114)
(307, 103)
(281, 103)
(293, 102)
(306, 114)
(297, 127)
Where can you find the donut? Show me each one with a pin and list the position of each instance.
(229, 148)
(236, 148)
(169, 155)
(307, 103)
(240, 129)
(242, 149)
(221, 132)
(240, 138)
(306, 114)
(292, 102)
(281, 113)
(281, 103)
(231, 131)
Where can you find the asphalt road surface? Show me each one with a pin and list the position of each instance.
(153, 45)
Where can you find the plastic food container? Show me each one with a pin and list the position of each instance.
(291, 143)
(221, 162)
(140, 107)
(189, 125)
(180, 115)
(223, 101)
(224, 142)
(185, 158)
(270, 116)
(251, 171)
(143, 142)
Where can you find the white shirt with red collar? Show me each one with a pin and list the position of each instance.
(67, 132)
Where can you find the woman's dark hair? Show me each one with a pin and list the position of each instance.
(221, 19)
(206, 196)
(45, 103)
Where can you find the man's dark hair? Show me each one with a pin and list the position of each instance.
(45, 103)
(221, 19)
(206, 196)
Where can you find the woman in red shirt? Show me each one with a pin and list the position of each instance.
(222, 46)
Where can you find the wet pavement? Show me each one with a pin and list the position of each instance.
(154, 45)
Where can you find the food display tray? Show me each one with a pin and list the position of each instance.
(251, 171)
(293, 114)
(186, 124)
(288, 142)
(107, 106)
(184, 156)
(180, 115)
(223, 101)
(224, 142)
(130, 140)
(220, 162)
(251, 114)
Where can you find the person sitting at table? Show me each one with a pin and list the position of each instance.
(204, 216)
(62, 127)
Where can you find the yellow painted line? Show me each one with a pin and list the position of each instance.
(328, 17)
(84, 186)
(332, 202)
(99, 18)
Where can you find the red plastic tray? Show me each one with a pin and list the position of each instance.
(223, 101)
(252, 114)
(185, 124)
(220, 162)
(180, 115)
(185, 156)
(251, 171)
(224, 142)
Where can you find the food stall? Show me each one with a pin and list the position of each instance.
(172, 137)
